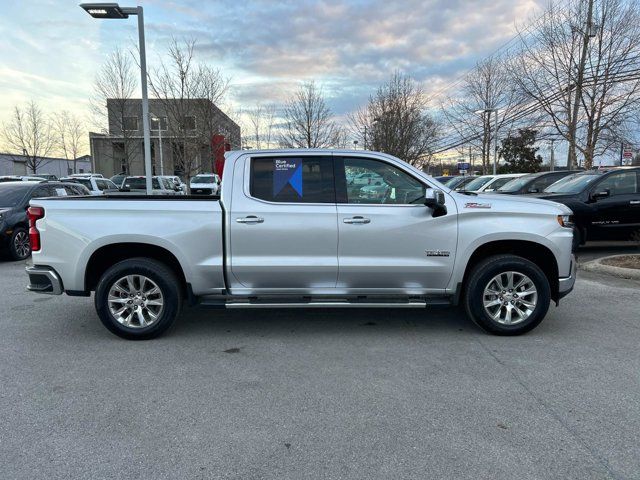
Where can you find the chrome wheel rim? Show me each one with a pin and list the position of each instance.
(21, 244)
(510, 298)
(135, 301)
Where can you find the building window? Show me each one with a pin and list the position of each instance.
(130, 124)
(188, 123)
(159, 123)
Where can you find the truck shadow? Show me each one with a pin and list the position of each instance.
(199, 321)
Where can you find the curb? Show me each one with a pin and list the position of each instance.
(599, 267)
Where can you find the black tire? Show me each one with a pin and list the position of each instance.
(17, 247)
(479, 279)
(166, 282)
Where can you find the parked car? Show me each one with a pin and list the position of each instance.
(20, 178)
(443, 178)
(160, 186)
(459, 182)
(95, 185)
(47, 176)
(177, 181)
(605, 203)
(288, 232)
(118, 179)
(365, 179)
(14, 201)
(86, 175)
(533, 182)
(489, 183)
(205, 184)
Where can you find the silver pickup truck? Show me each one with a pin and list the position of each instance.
(306, 228)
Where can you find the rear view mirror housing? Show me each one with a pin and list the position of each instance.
(434, 198)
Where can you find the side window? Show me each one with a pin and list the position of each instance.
(293, 179)
(371, 181)
(41, 192)
(543, 182)
(498, 183)
(622, 183)
(102, 185)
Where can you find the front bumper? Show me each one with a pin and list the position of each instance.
(44, 280)
(565, 284)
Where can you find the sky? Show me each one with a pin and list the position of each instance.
(51, 49)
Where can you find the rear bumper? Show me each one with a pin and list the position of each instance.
(565, 284)
(44, 280)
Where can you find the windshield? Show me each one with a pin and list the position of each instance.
(516, 184)
(478, 183)
(12, 195)
(140, 183)
(203, 179)
(572, 184)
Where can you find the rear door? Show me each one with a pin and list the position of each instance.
(389, 241)
(617, 216)
(283, 224)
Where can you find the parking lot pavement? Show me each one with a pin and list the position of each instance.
(297, 394)
(593, 250)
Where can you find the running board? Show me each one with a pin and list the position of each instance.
(356, 303)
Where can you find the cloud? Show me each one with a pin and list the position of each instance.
(266, 46)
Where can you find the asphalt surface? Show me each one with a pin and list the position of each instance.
(311, 394)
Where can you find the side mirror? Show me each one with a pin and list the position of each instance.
(435, 199)
(602, 194)
(125, 189)
(533, 190)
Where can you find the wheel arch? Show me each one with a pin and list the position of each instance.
(108, 255)
(535, 252)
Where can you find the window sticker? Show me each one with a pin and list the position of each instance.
(287, 171)
(61, 192)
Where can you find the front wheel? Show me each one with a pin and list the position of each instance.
(507, 295)
(138, 299)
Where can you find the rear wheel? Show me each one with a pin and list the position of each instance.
(507, 295)
(20, 247)
(138, 299)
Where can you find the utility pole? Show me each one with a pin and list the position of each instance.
(573, 127)
(552, 163)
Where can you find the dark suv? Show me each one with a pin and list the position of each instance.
(533, 183)
(605, 204)
(14, 201)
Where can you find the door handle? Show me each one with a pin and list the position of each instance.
(251, 219)
(357, 220)
(634, 202)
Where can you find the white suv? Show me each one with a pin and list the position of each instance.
(205, 184)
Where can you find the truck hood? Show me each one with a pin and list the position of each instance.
(509, 203)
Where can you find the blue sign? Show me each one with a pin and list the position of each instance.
(464, 165)
(287, 171)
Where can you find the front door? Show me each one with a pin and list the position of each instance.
(616, 216)
(389, 241)
(283, 227)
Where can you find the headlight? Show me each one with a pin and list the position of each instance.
(565, 221)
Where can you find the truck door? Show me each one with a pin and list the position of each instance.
(283, 224)
(616, 207)
(388, 240)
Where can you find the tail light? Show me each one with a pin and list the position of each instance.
(34, 213)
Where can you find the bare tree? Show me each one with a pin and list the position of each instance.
(70, 136)
(396, 121)
(29, 132)
(580, 66)
(469, 113)
(114, 87)
(261, 125)
(189, 92)
(308, 121)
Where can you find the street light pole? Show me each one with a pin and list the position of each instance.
(115, 11)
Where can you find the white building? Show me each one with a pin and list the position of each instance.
(15, 164)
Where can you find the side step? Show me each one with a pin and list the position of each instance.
(321, 303)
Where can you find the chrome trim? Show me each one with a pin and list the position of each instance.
(565, 284)
(320, 304)
(54, 279)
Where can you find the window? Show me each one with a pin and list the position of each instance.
(293, 179)
(159, 123)
(188, 123)
(373, 182)
(130, 124)
(622, 183)
(104, 185)
(498, 183)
